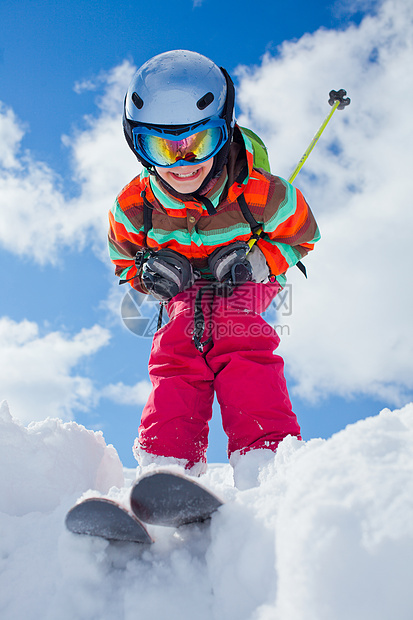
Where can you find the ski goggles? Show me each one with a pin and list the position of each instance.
(168, 148)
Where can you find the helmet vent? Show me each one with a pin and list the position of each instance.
(205, 101)
(137, 101)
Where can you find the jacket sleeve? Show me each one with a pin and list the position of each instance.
(126, 237)
(289, 226)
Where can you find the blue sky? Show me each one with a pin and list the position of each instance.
(64, 68)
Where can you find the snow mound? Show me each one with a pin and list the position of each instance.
(50, 460)
(327, 533)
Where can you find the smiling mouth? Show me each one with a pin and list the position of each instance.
(186, 175)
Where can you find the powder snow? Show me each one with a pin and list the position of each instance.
(327, 533)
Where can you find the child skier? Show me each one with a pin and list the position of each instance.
(179, 232)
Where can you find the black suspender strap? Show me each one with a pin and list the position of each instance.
(248, 216)
(242, 175)
(207, 204)
(147, 214)
(255, 226)
(302, 268)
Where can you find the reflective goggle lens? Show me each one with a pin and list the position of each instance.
(197, 147)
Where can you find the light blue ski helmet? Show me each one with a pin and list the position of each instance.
(178, 88)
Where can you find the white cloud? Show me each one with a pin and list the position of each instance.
(32, 197)
(351, 326)
(40, 378)
(128, 394)
(84, 86)
(11, 134)
(351, 323)
(37, 373)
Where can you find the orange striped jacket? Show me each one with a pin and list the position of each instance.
(195, 231)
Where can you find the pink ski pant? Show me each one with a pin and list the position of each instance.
(238, 364)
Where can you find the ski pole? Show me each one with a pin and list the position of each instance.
(338, 101)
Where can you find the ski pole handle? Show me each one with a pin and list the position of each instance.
(338, 101)
(340, 96)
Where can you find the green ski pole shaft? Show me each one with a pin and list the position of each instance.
(313, 143)
(338, 101)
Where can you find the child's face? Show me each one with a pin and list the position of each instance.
(186, 179)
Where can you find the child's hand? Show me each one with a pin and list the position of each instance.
(229, 263)
(167, 273)
(236, 265)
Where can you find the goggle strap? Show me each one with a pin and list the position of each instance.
(230, 98)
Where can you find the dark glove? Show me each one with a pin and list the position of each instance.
(229, 263)
(166, 273)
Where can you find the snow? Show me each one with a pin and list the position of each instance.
(327, 533)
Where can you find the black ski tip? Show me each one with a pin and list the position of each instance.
(170, 499)
(99, 516)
